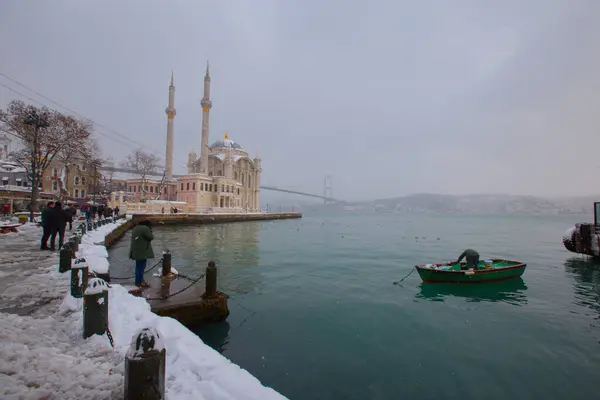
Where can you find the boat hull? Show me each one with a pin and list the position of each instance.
(429, 275)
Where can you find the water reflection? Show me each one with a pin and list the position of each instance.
(215, 335)
(510, 291)
(234, 247)
(587, 281)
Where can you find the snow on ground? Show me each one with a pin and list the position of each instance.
(44, 356)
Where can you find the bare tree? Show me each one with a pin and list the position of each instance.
(146, 165)
(44, 133)
(107, 182)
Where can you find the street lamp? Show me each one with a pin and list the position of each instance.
(38, 120)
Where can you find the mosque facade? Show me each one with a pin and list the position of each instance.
(224, 178)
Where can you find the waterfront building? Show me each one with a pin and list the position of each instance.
(224, 178)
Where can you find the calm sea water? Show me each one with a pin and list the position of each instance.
(315, 314)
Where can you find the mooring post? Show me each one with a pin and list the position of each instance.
(166, 263)
(145, 364)
(64, 258)
(95, 308)
(211, 280)
(74, 240)
(79, 277)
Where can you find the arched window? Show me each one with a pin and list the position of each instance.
(220, 173)
(187, 186)
(83, 180)
(201, 186)
(194, 186)
(76, 181)
(181, 185)
(222, 188)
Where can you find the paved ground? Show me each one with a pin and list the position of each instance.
(27, 274)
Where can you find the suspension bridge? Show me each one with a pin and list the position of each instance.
(327, 196)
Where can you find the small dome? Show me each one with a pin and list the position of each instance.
(225, 143)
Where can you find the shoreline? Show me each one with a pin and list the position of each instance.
(193, 369)
(190, 219)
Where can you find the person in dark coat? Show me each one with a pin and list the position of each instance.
(472, 257)
(70, 212)
(116, 210)
(59, 223)
(141, 250)
(46, 225)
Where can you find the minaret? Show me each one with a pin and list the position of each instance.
(170, 119)
(206, 106)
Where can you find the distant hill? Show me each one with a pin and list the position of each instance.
(482, 204)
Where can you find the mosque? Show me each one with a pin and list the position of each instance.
(224, 178)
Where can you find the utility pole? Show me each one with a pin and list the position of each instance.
(95, 181)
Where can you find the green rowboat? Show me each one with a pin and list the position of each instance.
(488, 271)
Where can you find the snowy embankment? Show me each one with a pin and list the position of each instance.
(45, 356)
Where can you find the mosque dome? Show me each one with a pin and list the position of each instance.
(226, 144)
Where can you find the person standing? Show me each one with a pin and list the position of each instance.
(116, 210)
(141, 250)
(47, 215)
(70, 212)
(59, 223)
(6, 209)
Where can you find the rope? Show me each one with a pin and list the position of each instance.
(407, 275)
(252, 312)
(176, 293)
(131, 277)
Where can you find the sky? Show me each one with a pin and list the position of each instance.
(388, 97)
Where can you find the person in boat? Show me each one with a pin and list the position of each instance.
(472, 258)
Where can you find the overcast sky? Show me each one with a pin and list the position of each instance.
(389, 97)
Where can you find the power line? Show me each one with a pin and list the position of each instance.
(42, 104)
(72, 111)
(80, 115)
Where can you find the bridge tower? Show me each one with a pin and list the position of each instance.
(327, 188)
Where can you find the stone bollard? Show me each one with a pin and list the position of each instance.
(79, 277)
(95, 308)
(166, 263)
(64, 258)
(74, 240)
(211, 280)
(145, 364)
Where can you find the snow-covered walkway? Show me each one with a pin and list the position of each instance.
(44, 356)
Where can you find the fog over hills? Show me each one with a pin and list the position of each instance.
(484, 203)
